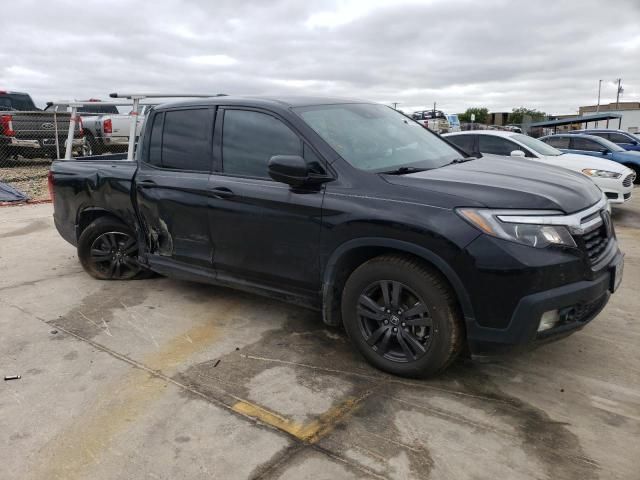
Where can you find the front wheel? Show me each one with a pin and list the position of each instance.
(402, 316)
(108, 250)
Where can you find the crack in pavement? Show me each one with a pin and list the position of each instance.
(304, 435)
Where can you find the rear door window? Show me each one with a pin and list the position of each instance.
(586, 144)
(463, 142)
(496, 145)
(155, 141)
(558, 142)
(186, 139)
(181, 140)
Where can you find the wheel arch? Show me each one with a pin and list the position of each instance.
(89, 214)
(348, 256)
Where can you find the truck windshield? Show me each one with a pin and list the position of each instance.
(377, 138)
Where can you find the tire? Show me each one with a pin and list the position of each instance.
(108, 250)
(419, 305)
(94, 146)
(636, 169)
(87, 147)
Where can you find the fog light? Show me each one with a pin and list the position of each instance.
(548, 320)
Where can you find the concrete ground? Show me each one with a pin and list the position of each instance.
(164, 379)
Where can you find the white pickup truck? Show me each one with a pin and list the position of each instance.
(105, 128)
(434, 120)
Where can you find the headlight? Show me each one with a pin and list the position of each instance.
(592, 172)
(539, 236)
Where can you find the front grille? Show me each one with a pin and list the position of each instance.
(628, 180)
(594, 242)
(612, 195)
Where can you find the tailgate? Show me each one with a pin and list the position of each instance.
(41, 126)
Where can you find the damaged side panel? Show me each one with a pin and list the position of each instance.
(173, 211)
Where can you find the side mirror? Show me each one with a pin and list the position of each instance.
(604, 151)
(517, 153)
(289, 169)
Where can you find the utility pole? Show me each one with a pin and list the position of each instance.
(598, 106)
(618, 94)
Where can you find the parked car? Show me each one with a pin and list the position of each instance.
(27, 131)
(353, 209)
(595, 146)
(454, 123)
(626, 140)
(434, 120)
(105, 128)
(615, 180)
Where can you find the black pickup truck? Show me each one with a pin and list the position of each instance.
(29, 132)
(352, 208)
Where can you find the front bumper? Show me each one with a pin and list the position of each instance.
(614, 189)
(580, 302)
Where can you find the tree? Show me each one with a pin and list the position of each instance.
(524, 115)
(482, 115)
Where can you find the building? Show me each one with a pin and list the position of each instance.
(498, 118)
(630, 115)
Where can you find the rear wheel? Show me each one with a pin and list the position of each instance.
(92, 145)
(402, 316)
(108, 250)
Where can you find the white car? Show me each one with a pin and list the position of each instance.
(614, 179)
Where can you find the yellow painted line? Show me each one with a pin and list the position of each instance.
(309, 432)
(72, 452)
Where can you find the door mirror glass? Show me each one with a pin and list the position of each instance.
(517, 153)
(289, 169)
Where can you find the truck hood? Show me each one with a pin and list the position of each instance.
(498, 182)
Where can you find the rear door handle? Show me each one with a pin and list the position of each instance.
(146, 183)
(222, 192)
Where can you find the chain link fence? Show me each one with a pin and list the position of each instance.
(31, 140)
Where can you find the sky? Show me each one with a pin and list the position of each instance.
(498, 54)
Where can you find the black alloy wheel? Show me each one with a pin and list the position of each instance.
(115, 255)
(108, 250)
(395, 321)
(402, 315)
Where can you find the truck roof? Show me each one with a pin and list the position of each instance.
(281, 102)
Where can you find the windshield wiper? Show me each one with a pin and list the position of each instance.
(459, 160)
(404, 170)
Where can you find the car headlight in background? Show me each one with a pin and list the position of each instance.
(592, 172)
(539, 236)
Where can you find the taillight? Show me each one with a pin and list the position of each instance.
(80, 127)
(106, 126)
(52, 194)
(6, 122)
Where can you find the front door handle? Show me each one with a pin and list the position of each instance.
(222, 192)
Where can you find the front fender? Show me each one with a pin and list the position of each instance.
(330, 312)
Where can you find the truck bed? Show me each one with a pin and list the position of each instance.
(88, 184)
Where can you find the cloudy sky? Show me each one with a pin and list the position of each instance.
(499, 54)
